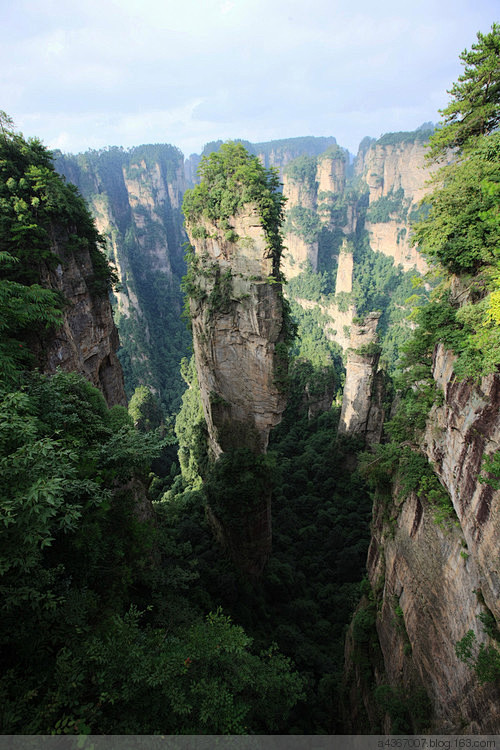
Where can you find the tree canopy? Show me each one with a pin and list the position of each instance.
(231, 178)
(474, 109)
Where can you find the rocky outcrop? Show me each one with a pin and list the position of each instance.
(298, 255)
(87, 341)
(362, 413)
(395, 170)
(331, 173)
(236, 308)
(314, 188)
(345, 268)
(135, 197)
(434, 581)
(237, 321)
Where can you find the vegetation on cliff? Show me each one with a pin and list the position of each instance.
(35, 207)
(119, 612)
(230, 179)
(98, 631)
(460, 238)
(135, 195)
(461, 234)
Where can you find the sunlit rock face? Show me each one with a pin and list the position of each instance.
(236, 310)
(362, 412)
(327, 183)
(237, 319)
(387, 169)
(88, 339)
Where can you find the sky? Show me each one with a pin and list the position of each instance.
(81, 74)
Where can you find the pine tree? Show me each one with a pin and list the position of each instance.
(474, 109)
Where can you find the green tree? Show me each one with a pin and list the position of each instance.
(474, 109)
(231, 178)
(461, 233)
(145, 410)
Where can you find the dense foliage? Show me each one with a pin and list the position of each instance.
(310, 585)
(230, 179)
(461, 234)
(33, 201)
(98, 633)
(35, 206)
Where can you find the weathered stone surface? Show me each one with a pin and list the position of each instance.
(459, 434)
(441, 577)
(426, 573)
(392, 238)
(331, 174)
(87, 341)
(237, 321)
(362, 412)
(330, 183)
(297, 255)
(344, 273)
(386, 169)
(135, 199)
(235, 336)
(299, 193)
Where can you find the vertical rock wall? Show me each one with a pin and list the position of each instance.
(135, 197)
(388, 168)
(237, 319)
(432, 582)
(88, 340)
(362, 412)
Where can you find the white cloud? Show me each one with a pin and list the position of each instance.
(103, 72)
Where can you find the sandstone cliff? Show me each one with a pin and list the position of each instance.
(362, 413)
(135, 196)
(237, 320)
(396, 172)
(239, 326)
(433, 582)
(314, 188)
(88, 339)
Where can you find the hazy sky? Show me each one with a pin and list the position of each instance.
(90, 73)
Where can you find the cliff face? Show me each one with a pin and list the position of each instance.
(432, 581)
(362, 412)
(396, 174)
(312, 193)
(88, 339)
(237, 321)
(135, 197)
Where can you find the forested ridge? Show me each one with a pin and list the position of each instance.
(121, 614)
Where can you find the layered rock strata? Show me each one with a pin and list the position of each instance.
(236, 311)
(362, 413)
(237, 321)
(87, 341)
(433, 582)
(316, 194)
(397, 171)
